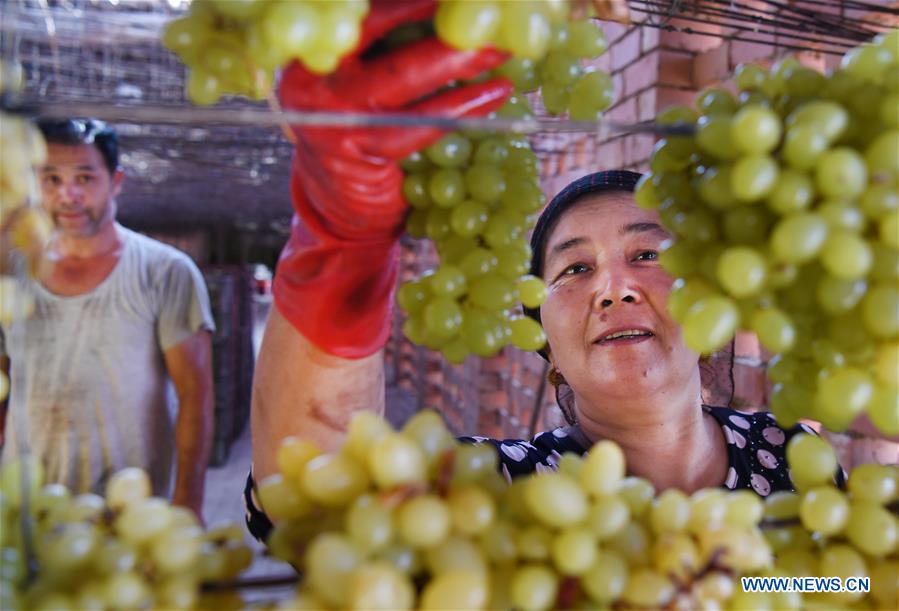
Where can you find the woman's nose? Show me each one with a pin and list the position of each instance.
(615, 286)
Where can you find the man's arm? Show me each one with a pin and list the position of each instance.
(299, 389)
(189, 364)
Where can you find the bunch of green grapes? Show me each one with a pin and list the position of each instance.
(235, 46)
(825, 531)
(24, 226)
(546, 49)
(127, 551)
(475, 197)
(785, 208)
(415, 519)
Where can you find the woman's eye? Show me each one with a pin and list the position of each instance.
(85, 179)
(577, 268)
(648, 255)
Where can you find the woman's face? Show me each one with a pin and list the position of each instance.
(608, 328)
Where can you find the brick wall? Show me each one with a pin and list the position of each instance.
(652, 69)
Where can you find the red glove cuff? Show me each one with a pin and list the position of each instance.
(338, 293)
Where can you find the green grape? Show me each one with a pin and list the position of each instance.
(867, 62)
(715, 189)
(560, 68)
(881, 155)
(442, 318)
(842, 395)
(804, 146)
(423, 521)
(879, 200)
(710, 323)
(880, 311)
(415, 190)
(774, 329)
(523, 74)
(607, 517)
(485, 182)
(333, 479)
(204, 88)
(676, 555)
(591, 94)
(842, 216)
(842, 561)
(886, 364)
(716, 101)
(467, 25)
(812, 461)
(753, 177)
(453, 248)
(472, 511)
(749, 77)
(606, 579)
(747, 225)
(555, 97)
(644, 193)
(369, 525)
(755, 130)
(527, 334)
(646, 588)
(574, 551)
(534, 587)
(585, 39)
(479, 334)
(396, 459)
(330, 560)
(413, 296)
(556, 500)
(380, 585)
(741, 271)
(846, 255)
(802, 82)
(888, 229)
(451, 151)
(524, 30)
(532, 291)
(637, 493)
(828, 118)
(841, 174)
(872, 529)
(837, 295)
(490, 150)
(282, 499)
(415, 163)
(478, 262)
(713, 136)
(492, 293)
(670, 512)
(798, 238)
(437, 223)
(883, 410)
(455, 590)
(685, 293)
(447, 281)
(523, 196)
(455, 554)
(416, 223)
(446, 188)
(292, 27)
(793, 192)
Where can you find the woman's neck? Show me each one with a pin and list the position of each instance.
(667, 437)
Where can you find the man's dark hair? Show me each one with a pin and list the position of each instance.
(75, 132)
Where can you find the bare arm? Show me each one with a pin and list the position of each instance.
(190, 366)
(301, 390)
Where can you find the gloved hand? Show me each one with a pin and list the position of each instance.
(336, 275)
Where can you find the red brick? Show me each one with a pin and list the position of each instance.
(637, 150)
(675, 68)
(625, 111)
(711, 67)
(641, 74)
(626, 51)
(646, 105)
(690, 42)
(613, 31)
(669, 96)
(742, 52)
(649, 39)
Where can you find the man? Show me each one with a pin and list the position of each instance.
(117, 316)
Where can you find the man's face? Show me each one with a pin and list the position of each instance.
(78, 190)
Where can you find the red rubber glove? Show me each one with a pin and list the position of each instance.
(336, 275)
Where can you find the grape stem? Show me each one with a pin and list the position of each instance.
(250, 582)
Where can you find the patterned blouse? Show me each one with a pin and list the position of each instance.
(756, 450)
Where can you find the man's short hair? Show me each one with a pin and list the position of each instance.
(75, 132)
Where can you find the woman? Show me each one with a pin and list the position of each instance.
(616, 353)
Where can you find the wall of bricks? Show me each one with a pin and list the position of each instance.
(652, 69)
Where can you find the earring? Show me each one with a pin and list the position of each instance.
(554, 377)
